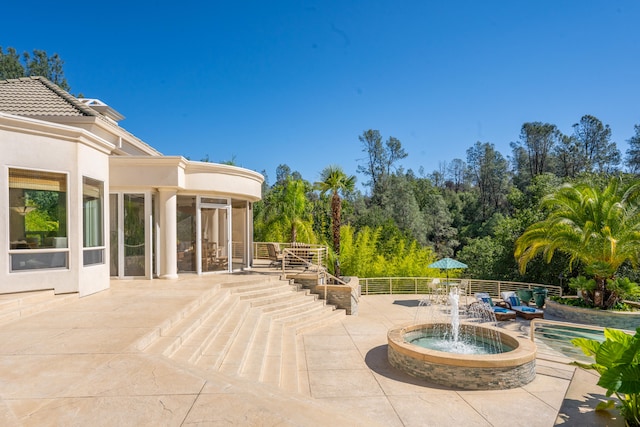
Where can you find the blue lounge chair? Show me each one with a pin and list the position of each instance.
(514, 303)
(501, 313)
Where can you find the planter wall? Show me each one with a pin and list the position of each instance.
(628, 320)
(344, 297)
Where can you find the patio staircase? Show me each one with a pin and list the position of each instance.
(247, 328)
(19, 305)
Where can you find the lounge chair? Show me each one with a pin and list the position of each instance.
(501, 313)
(275, 256)
(514, 303)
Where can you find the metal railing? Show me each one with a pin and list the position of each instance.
(423, 285)
(296, 255)
(557, 336)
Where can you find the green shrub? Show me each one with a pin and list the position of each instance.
(617, 360)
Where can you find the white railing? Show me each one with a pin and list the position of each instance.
(296, 255)
(421, 285)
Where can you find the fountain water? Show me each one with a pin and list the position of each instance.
(469, 353)
(446, 333)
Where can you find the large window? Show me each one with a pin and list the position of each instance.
(92, 215)
(37, 220)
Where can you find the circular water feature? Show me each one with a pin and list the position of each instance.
(511, 364)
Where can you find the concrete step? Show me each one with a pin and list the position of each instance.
(325, 318)
(219, 326)
(273, 358)
(162, 330)
(303, 385)
(247, 351)
(269, 368)
(278, 301)
(218, 344)
(296, 317)
(242, 282)
(291, 362)
(248, 329)
(275, 289)
(16, 306)
(280, 366)
(173, 338)
(291, 307)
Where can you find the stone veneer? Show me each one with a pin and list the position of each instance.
(469, 372)
(342, 296)
(629, 320)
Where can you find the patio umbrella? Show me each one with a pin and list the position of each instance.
(447, 264)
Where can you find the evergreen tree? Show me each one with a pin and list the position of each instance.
(36, 64)
(10, 66)
(633, 153)
(594, 140)
(490, 175)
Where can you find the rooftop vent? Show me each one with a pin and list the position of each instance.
(102, 108)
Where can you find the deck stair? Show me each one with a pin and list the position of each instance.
(247, 328)
(19, 305)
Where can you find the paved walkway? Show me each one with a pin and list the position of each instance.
(347, 366)
(80, 363)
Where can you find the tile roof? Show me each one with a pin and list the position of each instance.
(38, 97)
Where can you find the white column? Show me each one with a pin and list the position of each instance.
(168, 234)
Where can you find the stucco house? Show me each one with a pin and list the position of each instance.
(83, 201)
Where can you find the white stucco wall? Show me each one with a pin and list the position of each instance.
(72, 149)
(187, 176)
(33, 144)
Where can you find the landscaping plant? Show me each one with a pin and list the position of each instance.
(597, 227)
(617, 360)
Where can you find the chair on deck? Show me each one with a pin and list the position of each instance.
(438, 292)
(514, 303)
(463, 288)
(275, 256)
(501, 313)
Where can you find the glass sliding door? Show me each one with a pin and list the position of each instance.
(114, 247)
(134, 235)
(131, 234)
(214, 239)
(186, 229)
(239, 238)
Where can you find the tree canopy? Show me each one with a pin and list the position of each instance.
(474, 209)
(37, 63)
(598, 227)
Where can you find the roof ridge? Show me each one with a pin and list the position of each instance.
(66, 96)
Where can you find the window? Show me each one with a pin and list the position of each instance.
(37, 219)
(92, 215)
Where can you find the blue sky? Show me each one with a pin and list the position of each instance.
(296, 82)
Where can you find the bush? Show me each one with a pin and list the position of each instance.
(617, 360)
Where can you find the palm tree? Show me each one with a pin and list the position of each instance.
(598, 227)
(334, 180)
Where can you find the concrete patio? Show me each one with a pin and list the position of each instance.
(79, 362)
